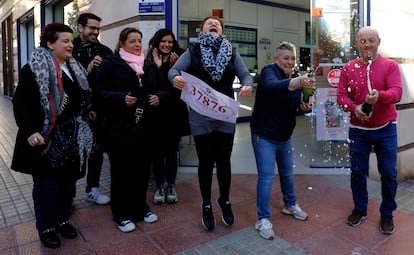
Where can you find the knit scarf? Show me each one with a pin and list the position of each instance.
(215, 64)
(52, 95)
(134, 61)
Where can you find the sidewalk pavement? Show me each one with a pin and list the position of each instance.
(326, 198)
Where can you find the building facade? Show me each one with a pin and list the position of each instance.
(323, 31)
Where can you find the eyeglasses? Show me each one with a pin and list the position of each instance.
(93, 28)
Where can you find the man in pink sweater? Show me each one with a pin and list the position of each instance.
(369, 88)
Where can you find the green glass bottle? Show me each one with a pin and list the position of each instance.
(307, 93)
(367, 108)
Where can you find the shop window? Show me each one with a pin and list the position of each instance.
(25, 37)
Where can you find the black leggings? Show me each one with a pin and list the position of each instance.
(215, 147)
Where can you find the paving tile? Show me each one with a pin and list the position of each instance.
(26, 233)
(129, 247)
(7, 239)
(182, 237)
(8, 252)
(326, 198)
(399, 244)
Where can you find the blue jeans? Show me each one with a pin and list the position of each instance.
(266, 152)
(384, 142)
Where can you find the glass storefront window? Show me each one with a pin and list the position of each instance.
(334, 27)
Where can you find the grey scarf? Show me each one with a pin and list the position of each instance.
(52, 100)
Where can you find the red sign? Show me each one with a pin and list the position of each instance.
(333, 77)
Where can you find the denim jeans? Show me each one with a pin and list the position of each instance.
(384, 142)
(266, 152)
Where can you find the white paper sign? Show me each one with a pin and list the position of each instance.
(207, 101)
(331, 121)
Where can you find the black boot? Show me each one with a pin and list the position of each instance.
(67, 230)
(49, 238)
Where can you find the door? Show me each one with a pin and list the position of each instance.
(7, 53)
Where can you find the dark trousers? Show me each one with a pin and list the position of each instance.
(165, 163)
(384, 142)
(130, 171)
(95, 161)
(93, 176)
(215, 147)
(52, 197)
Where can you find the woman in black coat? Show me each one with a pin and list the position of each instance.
(128, 94)
(164, 52)
(53, 94)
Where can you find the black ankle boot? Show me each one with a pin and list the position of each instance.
(67, 230)
(49, 238)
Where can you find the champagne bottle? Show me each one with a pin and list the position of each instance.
(308, 92)
(367, 108)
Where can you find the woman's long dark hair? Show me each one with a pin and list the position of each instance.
(154, 42)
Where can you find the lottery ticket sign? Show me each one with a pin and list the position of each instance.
(207, 101)
(333, 77)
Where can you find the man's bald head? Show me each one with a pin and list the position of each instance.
(368, 41)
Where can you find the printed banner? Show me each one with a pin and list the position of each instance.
(207, 101)
(331, 121)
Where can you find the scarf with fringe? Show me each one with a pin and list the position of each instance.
(53, 98)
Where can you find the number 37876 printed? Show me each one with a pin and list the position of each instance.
(207, 101)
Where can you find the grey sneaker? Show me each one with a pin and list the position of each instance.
(171, 195)
(159, 196)
(97, 197)
(295, 211)
(265, 229)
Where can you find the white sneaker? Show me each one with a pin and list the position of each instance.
(295, 211)
(97, 197)
(265, 229)
(159, 196)
(171, 195)
(150, 217)
(126, 226)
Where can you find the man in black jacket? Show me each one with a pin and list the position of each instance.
(91, 53)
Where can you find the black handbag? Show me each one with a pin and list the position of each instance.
(61, 149)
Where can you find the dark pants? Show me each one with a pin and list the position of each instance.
(215, 147)
(165, 162)
(94, 169)
(130, 171)
(95, 161)
(384, 142)
(52, 197)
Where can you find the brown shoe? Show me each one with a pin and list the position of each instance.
(387, 225)
(356, 218)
